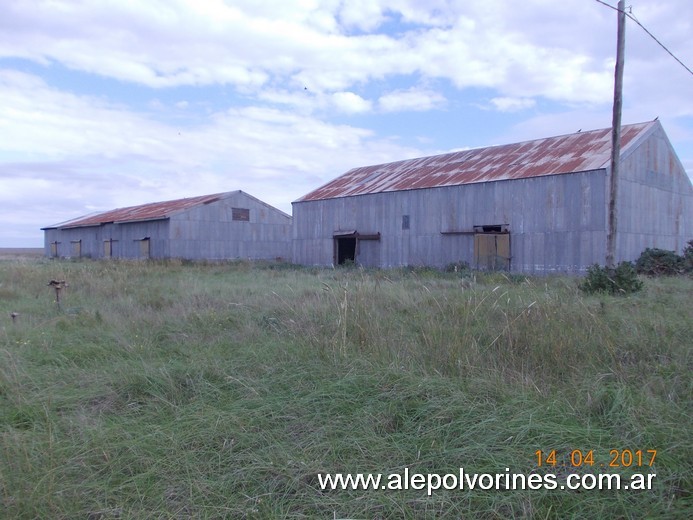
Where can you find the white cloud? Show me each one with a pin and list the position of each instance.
(507, 104)
(362, 14)
(560, 51)
(350, 103)
(70, 154)
(49, 123)
(411, 100)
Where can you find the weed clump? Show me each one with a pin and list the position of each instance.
(620, 280)
(660, 262)
(458, 267)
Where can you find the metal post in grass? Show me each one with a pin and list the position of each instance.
(58, 285)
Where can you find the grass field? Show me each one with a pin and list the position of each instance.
(175, 390)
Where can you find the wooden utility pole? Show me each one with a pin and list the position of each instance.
(616, 135)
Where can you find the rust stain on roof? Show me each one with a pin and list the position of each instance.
(582, 151)
(151, 211)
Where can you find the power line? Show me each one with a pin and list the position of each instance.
(630, 15)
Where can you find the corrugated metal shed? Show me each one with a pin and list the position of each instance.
(579, 152)
(221, 226)
(536, 207)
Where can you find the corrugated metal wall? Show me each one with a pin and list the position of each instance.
(90, 239)
(209, 231)
(655, 200)
(557, 223)
(124, 240)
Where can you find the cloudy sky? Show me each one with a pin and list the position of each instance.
(112, 103)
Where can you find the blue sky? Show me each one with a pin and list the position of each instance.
(112, 103)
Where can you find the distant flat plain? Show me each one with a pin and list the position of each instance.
(7, 253)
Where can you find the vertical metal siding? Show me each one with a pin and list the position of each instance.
(203, 232)
(551, 231)
(655, 200)
(209, 231)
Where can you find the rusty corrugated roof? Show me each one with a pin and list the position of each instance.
(151, 211)
(582, 151)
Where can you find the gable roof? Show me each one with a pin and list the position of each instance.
(582, 151)
(146, 212)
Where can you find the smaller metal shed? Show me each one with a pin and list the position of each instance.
(232, 225)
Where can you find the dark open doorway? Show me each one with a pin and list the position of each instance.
(345, 249)
(347, 245)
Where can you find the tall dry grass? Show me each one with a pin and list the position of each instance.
(176, 390)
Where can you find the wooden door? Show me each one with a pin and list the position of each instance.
(144, 248)
(492, 251)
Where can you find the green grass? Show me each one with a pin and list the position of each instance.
(176, 390)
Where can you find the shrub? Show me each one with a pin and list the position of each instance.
(688, 257)
(626, 278)
(659, 262)
(597, 280)
(621, 280)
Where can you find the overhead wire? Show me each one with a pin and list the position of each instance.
(632, 17)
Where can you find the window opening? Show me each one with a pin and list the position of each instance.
(494, 228)
(240, 214)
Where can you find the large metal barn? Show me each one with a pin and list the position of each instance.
(536, 207)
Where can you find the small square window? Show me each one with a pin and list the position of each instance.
(405, 221)
(242, 214)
